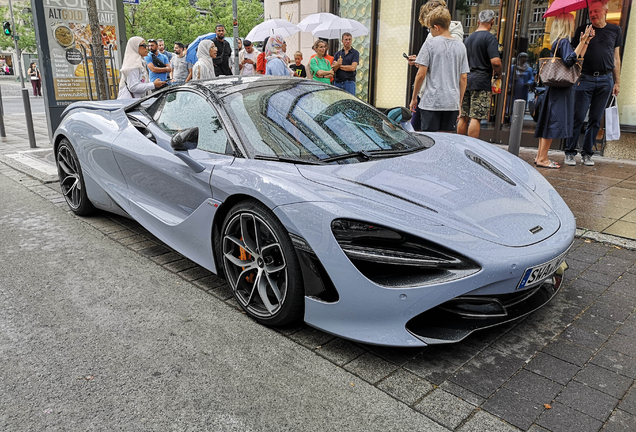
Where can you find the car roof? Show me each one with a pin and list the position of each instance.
(225, 85)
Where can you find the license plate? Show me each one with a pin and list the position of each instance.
(537, 274)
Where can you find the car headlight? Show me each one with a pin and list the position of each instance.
(395, 259)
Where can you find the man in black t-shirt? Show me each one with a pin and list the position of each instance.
(345, 63)
(222, 60)
(484, 61)
(600, 78)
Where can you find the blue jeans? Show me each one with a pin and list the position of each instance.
(348, 86)
(593, 93)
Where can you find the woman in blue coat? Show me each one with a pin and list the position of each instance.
(556, 117)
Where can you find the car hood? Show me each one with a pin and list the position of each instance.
(453, 183)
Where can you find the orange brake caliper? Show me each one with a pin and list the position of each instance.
(244, 256)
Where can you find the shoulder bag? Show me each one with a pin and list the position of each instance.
(555, 73)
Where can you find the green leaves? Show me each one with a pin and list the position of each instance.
(178, 21)
(24, 24)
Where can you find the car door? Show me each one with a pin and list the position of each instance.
(160, 185)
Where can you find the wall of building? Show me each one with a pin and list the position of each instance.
(625, 148)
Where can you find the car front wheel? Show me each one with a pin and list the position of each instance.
(260, 264)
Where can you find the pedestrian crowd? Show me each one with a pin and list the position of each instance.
(147, 66)
(455, 81)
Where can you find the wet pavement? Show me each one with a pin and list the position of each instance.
(602, 197)
(570, 366)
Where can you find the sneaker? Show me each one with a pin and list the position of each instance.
(569, 160)
(587, 160)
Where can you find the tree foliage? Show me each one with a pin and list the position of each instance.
(179, 21)
(24, 23)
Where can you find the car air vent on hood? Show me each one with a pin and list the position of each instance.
(490, 167)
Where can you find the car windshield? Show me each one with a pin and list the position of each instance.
(314, 122)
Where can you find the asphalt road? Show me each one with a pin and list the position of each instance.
(94, 336)
(14, 105)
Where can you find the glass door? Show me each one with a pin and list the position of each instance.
(467, 12)
(529, 41)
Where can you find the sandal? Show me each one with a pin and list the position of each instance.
(552, 165)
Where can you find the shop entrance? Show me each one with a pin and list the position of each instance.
(524, 37)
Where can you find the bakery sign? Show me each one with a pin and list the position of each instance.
(69, 42)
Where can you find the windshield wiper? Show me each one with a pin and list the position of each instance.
(286, 159)
(393, 152)
(362, 153)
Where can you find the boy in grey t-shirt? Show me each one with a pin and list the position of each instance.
(444, 64)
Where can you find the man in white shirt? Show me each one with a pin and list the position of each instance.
(247, 58)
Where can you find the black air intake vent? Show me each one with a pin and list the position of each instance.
(487, 165)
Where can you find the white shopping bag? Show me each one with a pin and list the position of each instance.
(612, 124)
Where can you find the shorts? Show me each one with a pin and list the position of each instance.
(476, 104)
(435, 121)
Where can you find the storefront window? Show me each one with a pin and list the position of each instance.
(394, 32)
(627, 95)
(360, 10)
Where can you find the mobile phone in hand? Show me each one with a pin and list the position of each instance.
(405, 56)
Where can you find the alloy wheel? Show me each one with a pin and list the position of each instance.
(255, 264)
(70, 180)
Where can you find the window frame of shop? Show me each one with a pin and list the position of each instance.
(335, 46)
(624, 23)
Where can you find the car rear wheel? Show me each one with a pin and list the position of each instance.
(71, 180)
(261, 265)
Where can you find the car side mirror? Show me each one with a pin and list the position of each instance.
(181, 142)
(187, 139)
(398, 115)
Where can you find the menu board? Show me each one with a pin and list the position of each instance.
(69, 40)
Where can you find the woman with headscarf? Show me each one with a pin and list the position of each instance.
(276, 58)
(134, 81)
(204, 67)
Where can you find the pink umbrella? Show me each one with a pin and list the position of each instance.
(562, 6)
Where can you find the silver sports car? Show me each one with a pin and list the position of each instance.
(316, 206)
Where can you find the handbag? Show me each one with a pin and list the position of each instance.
(157, 62)
(612, 122)
(555, 73)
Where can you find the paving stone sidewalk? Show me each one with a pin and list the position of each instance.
(570, 366)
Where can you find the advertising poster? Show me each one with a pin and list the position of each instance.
(69, 43)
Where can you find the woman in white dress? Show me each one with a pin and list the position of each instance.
(204, 67)
(134, 82)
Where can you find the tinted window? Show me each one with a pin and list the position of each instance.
(184, 109)
(312, 122)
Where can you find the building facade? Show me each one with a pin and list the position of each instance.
(385, 79)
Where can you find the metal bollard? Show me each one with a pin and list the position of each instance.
(29, 117)
(3, 132)
(516, 126)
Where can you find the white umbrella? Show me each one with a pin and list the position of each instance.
(314, 20)
(335, 28)
(272, 27)
(358, 29)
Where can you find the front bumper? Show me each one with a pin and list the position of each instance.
(456, 319)
(368, 313)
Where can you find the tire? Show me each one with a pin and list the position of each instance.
(260, 265)
(71, 179)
